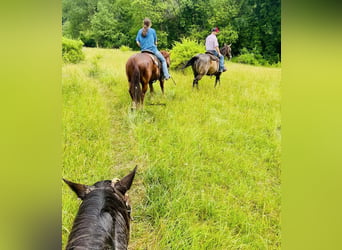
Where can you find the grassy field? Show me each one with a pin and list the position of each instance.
(208, 160)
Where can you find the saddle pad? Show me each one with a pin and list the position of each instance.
(153, 57)
(212, 56)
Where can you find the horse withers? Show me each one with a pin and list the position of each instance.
(207, 64)
(144, 68)
(103, 218)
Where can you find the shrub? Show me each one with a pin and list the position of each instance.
(87, 37)
(250, 57)
(94, 69)
(125, 48)
(183, 51)
(72, 50)
(246, 59)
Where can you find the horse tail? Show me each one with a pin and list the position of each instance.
(135, 88)
(190, 62)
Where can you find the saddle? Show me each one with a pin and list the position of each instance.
(155, 59)
(212, 56)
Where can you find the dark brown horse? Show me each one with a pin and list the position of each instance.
(207, 64)
(144, 68)
(103, 219)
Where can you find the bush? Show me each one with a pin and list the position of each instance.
(87, 37)
(94, 69)
(72, 50)
(183, 51)
(125, 48)
(248, 57)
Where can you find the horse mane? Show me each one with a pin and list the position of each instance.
(223, 50)
(96, 224)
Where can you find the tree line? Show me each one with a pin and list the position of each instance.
(251, 26)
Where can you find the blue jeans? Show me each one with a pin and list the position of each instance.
(163, 61)
(221, 57)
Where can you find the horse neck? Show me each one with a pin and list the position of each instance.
(101, 223)
(223, 51)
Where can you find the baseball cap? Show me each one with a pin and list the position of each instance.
(215, 29)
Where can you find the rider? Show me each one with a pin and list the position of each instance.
(147, 41)
(211, 45)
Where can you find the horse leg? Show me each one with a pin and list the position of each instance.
(217, 80)
(144, 90)
(151, 87)
(130, 93)
(195, 82)
(161, 83)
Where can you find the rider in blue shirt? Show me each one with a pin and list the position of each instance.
(147, 41)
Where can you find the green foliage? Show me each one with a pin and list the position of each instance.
(88, 38)
(125, 48)
(183, 51)
(258, 26)
(248, 58)
(111, 23)
(252, 58)
(72, 50)
(79, 14)
(227, 35)
(103, 24)
(162, 40)
(94, 69)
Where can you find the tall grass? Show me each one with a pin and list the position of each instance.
(208, 159)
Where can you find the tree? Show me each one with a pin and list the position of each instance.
(77, 15)
(103, 24)
(252, 25)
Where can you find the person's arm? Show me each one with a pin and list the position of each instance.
(155, 38)
(218, 50)
(137, 39)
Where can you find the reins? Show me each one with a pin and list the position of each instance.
(173, 80)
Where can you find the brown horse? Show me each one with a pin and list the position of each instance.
(144, 68)
(207, 64)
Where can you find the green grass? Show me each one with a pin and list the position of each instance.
(208, 159)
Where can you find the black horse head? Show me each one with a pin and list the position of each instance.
(103, 218)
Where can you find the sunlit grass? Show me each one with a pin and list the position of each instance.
(209, 170)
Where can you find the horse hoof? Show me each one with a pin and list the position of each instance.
(133, 107)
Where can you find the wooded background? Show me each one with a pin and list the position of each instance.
(252, 26)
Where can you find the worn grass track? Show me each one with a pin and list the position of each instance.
(209, 159)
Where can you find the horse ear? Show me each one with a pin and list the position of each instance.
(80, 189)
(125, 183)
(229, 45)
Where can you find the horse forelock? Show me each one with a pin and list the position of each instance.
(102, 222)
